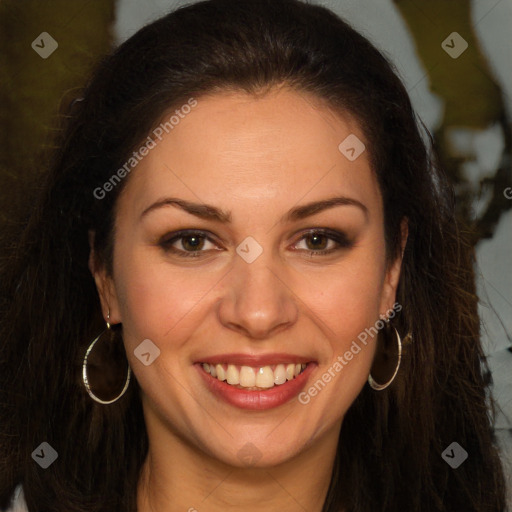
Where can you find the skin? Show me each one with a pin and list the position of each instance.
(256, 158)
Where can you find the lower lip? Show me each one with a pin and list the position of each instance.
(257, 400)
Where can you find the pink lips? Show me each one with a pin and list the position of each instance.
(256, 400)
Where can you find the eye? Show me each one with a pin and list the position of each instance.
(194, 244)
(188, 244)
(324, 241)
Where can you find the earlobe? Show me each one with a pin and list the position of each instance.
(104, 285)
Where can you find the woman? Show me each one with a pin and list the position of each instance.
(244, 198)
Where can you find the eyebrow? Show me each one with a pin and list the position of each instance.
(209, 212)
(301, 212)
(204, 211)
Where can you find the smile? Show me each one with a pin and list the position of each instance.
(251, 384)
(254, 378)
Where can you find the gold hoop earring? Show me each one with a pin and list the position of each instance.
(86, 379)
(379, 387)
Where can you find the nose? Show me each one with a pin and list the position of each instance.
(257, 302)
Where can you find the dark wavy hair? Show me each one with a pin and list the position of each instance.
(390, 444)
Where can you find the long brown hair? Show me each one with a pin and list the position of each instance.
(389, 453)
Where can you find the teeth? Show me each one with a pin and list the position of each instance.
(247, 377)
(264, 377)
(280, 374)
(221, 374)
(232, 375)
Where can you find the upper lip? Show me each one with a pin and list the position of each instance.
(254, 360)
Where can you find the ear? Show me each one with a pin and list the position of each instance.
(393, 272)
(104, 285)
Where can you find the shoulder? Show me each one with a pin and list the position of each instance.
(18, 501)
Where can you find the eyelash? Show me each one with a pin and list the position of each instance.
(340, 238)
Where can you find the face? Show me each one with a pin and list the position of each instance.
(284, 270)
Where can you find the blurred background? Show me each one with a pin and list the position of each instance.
(453, 56)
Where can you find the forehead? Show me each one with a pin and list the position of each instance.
(281, 147)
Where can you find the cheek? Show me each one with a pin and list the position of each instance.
(348, 298)
(155, 297)
(347, 303)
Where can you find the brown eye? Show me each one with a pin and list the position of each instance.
(322, 241)
(317, 241)
(187, 244)
(192, 242)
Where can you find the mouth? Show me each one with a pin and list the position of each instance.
(252, 378)
(251, 384)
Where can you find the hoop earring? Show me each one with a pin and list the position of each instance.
(379, 387)
(84, 371)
